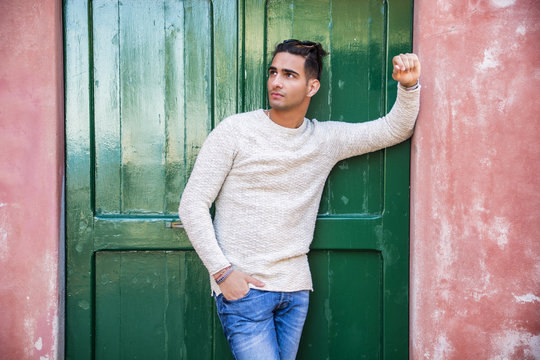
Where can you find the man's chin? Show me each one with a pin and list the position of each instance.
(277, 106)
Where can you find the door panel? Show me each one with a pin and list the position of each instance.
(148, 119)
(146, 81)
(344, 317)
(152, 305)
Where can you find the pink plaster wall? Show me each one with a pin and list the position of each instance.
(31, 171)
(475, 240)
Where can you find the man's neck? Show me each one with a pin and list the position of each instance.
(291, 119)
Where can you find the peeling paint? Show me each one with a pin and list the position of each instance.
(29, 329)
(4, 232)
(485, 162)
(490, 60)
(498, 230)
(84, 305)
(483, 288)
(528, 298)
(521, 30)
(443, 5)
(4, 250)
(38, 344)
(445, 252)
(503, 3)
(513, 344)
(443, 349)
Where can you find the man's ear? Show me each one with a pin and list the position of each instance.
(313, 87)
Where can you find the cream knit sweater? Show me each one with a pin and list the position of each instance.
(266, 181)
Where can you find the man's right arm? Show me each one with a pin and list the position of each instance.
(211, 168)
(209, 173)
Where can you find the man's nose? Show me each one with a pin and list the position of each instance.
(276, 81)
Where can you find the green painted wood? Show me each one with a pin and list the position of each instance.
(392, 234)
(332, 330)
(253, 49)
(79, 183)
(152, 305)
(145, 83)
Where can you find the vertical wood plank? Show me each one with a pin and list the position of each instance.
(108, 155)
(313, 21)
(198, 71)
(143, 299)
(174, 136)
(397, 171)
(280, 24)
(355, 331)
(173, 315)
(79, 197)
(254, 91)
(197, 307)
(226, 65)
(142, 50)
(376, 95)
(344, 319)
(314, 343)
(108, 306)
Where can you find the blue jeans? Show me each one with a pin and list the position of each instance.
(264, 325)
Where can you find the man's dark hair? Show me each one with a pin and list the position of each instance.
(309, 50)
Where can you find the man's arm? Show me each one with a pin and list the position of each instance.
(351, 139)
(209, 173)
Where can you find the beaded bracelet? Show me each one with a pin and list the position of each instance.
(221, 272)
(224, 276)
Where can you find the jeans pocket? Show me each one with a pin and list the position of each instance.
(236, 300)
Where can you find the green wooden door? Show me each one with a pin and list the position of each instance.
(145, 82)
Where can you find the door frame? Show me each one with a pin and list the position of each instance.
(79, 199)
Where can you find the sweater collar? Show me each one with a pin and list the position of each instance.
(281, 129)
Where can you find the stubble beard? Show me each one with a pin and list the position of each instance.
(277, 105)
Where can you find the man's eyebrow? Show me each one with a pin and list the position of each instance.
(284, 70)
(290, 71)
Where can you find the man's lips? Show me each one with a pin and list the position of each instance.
(276, 94)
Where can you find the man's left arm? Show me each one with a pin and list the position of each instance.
(351, 139)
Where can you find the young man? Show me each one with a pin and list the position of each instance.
(266, 170)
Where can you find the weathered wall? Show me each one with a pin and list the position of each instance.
(31, 170)
(475, 255)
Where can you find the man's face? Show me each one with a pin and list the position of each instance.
(288, 87)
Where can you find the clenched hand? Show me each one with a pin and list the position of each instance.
(406, 69)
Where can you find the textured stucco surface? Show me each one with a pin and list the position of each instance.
(31, 169)
(475, 231)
